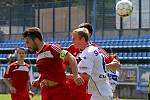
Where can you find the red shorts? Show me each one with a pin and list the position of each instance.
(77, 92)
(19, 97)
(59, 92)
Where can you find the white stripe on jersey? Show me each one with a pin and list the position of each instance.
(56, 48)
(46, 54)
(21, 68)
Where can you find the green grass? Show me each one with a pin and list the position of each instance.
(7, 97)
(37, 97)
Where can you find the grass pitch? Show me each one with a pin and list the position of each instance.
(37, 97)
(7, 97)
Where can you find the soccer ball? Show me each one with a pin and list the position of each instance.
(124, 8)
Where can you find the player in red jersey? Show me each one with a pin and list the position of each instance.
(49, 64)
(17, 77)
(111, 63)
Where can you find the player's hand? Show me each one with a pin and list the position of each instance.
(31, 93)
(42, 83)
(85, 76)
(12, 90)
(35, 83)
(79, 81)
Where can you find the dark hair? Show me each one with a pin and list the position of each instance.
(20, 48)
(33, 33)
(88, 26)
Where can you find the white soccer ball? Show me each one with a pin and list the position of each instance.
(124, 8)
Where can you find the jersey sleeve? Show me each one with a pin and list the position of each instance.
(8, 72)
(108, 58)
(58, 52)
(73, 50)
(70, 48)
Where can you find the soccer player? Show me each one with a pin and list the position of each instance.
(111, 62)
(49, 64)
(113, 79)
(92, 66)
(17, 77)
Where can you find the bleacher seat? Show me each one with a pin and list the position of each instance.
(123, 43)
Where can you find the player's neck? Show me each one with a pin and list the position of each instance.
(20, 62)
(84, 45)
(40, 46)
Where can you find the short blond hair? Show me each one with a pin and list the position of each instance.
(82, 32)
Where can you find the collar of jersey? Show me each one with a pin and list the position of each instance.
(86, 47)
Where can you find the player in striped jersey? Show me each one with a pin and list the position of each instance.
(49, 64)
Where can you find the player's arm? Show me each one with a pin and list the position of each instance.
(29, 85)
(8, 84)
(73, 64)
(114, 65)
(36, 82)
(7, 80)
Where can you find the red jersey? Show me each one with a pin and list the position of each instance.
(74, 51)
(49, 63)
(19, 75)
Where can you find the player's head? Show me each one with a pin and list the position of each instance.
(115, 56)
(20, 53)
(88, 26)
(33, 37)
(80, 37)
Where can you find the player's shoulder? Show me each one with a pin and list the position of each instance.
(13, 64)
(91, 51)
(72, 46)
(27, 65)
(92, 48)
(94, 44)
(48, 46)
(45, 47)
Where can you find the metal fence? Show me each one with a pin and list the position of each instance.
(55, 19)
(58, 19)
